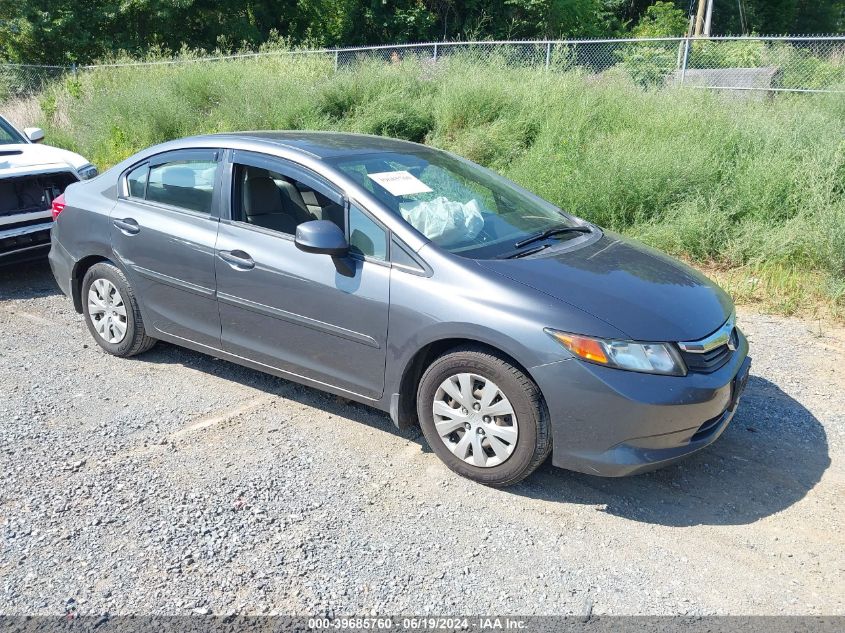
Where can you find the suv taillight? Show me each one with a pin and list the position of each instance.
(58, 205)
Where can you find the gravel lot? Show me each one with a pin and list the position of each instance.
(175, 483)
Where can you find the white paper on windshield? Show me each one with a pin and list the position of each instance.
(400, 183)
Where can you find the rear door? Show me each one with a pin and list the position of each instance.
(164, 227)
(299, 312)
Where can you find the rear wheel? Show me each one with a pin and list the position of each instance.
(483, 417)
(112, 313)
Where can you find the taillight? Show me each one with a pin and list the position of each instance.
(58, 205)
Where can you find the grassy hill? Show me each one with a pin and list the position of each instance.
(750, 190)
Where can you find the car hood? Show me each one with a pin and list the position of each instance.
(22, 158)
(638, 290)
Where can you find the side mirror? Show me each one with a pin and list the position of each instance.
(34, 134)
(322, 237)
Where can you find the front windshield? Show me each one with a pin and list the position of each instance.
(458, 205)
(8, 134)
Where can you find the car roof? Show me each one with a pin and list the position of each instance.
(325, 144)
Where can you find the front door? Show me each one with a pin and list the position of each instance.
(298, 312)
(164, 228)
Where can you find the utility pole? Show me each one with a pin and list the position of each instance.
(699, 17)
(708, 18)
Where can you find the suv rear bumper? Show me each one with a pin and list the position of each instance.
(615, 423)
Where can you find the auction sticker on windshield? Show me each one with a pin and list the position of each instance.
(400, 183)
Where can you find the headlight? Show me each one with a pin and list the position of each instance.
(88, 172)
(652, 358)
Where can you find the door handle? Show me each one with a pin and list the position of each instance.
(239, 260)
(128, 226)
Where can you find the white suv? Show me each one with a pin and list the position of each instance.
(32, 175)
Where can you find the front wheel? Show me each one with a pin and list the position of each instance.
(483, 417)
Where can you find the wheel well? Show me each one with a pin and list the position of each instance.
(421, 360)
(78, 275)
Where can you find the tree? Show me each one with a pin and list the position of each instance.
(780, 17)
(662, 19)
(814, 16)
(82, 31)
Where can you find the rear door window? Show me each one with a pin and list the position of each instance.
(184, 179)
(187, 184)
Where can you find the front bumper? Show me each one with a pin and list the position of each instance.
(615, 423)
(23, 243)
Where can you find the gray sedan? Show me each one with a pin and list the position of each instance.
(414, 281)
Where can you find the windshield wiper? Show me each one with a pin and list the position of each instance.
(528, 251)
(555, 230)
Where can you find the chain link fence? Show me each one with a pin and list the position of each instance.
(794, 64)
(743, 64)
(18, 80)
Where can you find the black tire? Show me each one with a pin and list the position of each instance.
(534, 441)
(135, 341)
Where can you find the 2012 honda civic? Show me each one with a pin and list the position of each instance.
(412, 280)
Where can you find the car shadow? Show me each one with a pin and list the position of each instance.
(27, 280)
(334, 405)
(771, 455)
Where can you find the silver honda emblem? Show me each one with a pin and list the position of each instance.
(731, 342)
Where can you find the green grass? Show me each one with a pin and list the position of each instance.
(753, 190)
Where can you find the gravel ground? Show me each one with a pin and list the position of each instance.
(174, 483)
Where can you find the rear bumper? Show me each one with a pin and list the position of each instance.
(24, 243)
(615, 423)
(61, 263)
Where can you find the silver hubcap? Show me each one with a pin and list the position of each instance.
(107, 311)
(475, 420)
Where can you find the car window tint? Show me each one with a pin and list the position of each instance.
(188, 184)
(137, 181)
(365, 236)
(8, 134)
(273, 201)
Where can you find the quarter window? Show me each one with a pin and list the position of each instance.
(137, 181)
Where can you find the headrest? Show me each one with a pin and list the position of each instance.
(261, 195)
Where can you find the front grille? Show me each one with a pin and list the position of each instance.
(711, 360)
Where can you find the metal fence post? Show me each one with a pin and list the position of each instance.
(548, 54)
(685, 60)
(435, 51)
(336, 55)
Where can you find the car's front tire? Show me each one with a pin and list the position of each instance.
(112, 313)
(483, 416)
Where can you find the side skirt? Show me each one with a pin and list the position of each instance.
(376, 403)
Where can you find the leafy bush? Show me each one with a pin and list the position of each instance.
(727, 54)
(649, 66)
(802, 69)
